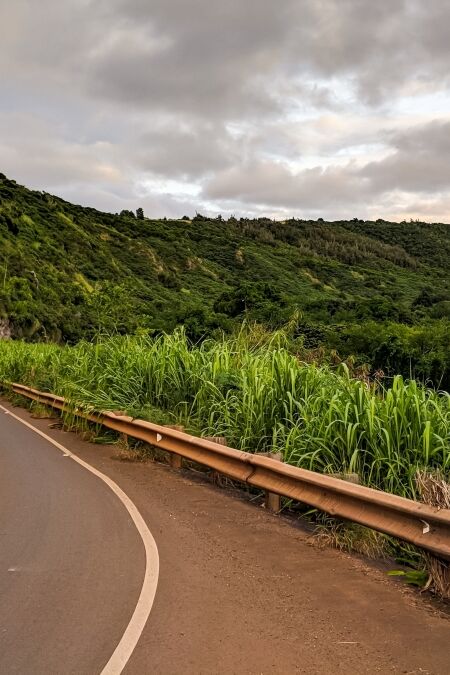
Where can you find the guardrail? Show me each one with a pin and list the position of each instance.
(414, 522)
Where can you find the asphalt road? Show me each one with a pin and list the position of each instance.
(239, 591)
(71, 560)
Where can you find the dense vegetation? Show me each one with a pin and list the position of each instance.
(375, 290)
(258, 395)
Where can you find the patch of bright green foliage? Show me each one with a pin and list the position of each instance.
(375, 290)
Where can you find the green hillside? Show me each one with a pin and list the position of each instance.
(379, 290)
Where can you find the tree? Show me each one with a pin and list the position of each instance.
(259, 300)
(140, 213)
(426, 298)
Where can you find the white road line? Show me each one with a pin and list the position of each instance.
(130, 638)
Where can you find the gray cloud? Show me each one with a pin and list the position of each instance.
(178, 150)
(418, 164)
(274, 185)
(34, 149)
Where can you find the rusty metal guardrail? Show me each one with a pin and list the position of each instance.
(414, 522)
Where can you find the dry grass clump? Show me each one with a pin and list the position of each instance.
(351, 537)
(434, 490)
(127, 454)
(42, 412)
(129, 450)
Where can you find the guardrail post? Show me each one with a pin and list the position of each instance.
(220, 440)
(272, 500)
(175, 460)
(123, 436)
(349, 477)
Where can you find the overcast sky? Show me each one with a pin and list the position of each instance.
(307, 108)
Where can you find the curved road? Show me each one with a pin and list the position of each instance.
(72, 561)
(240, 591)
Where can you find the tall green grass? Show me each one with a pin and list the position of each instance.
(258, 395)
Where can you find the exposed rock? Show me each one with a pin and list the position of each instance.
(5, 329)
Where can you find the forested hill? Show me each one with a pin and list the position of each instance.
(67, 272)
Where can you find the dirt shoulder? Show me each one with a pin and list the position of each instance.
(242, 591)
